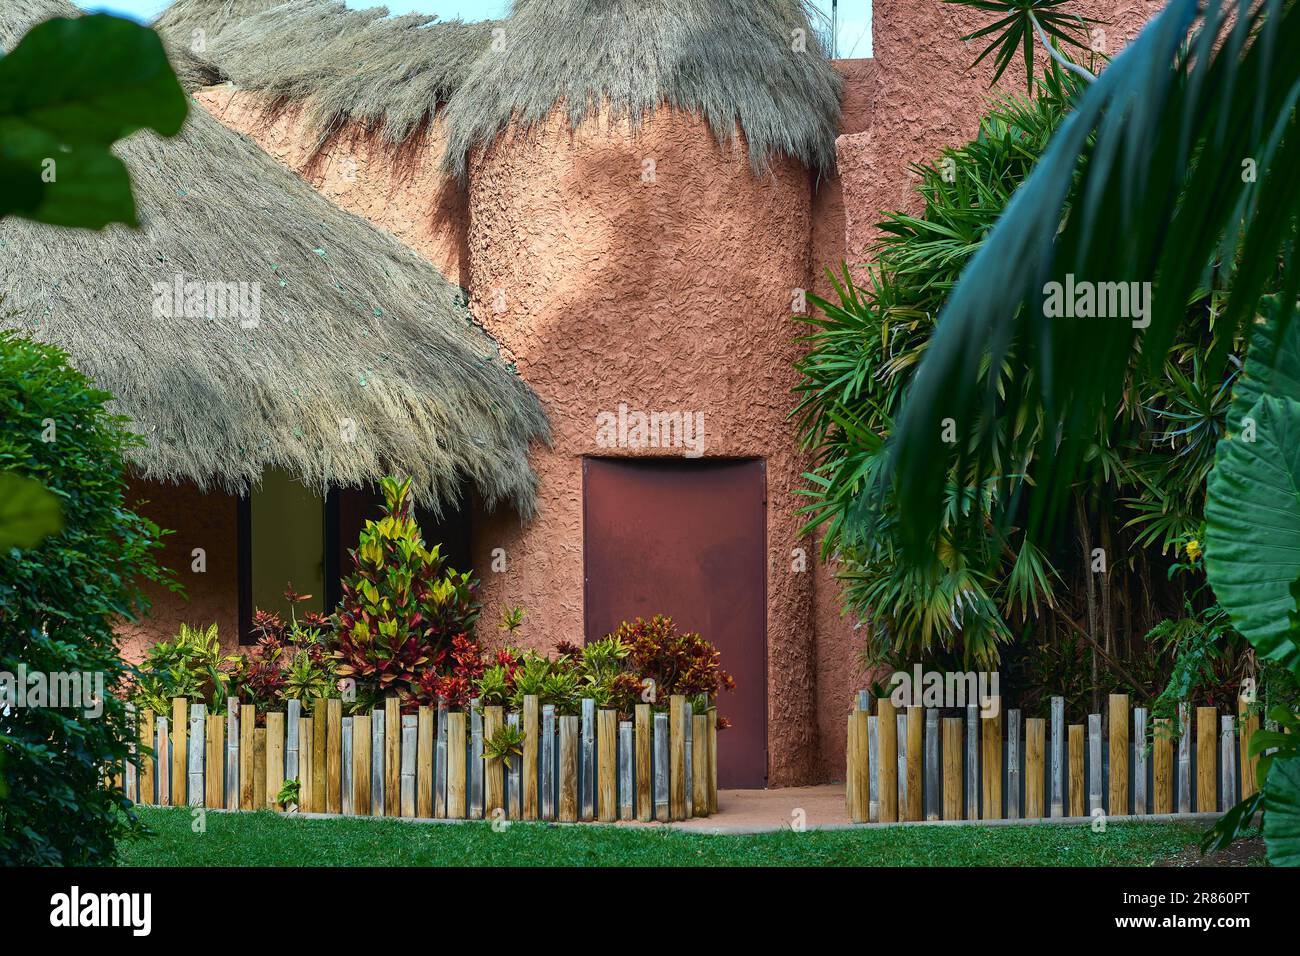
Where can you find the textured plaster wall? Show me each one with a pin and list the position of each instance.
(405, 192)
(199, 520)
(667, 294)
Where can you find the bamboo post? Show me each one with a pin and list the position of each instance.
(587, 762)
(1013, 764)
(259, 768)
(514, 798)
(146, 732)
(548, 762)
(361, 764)
(952, 768)
(440, 767)
(1035, 734)
(972, 769)
(626, 768)
(163, 751)
(410, 724)
(197, 753)
(247, 724)
(1076, 788)
(992, 762)
(662, 784)
(1184, 758)
(293, 714)
(214, 783)
(456, 776)
(180, 714)
(306, 756)
(1056, 766)
(493, 782)
(424, 762)
(1249, 724)
(378, 800)
(1119, 741)
(644, 747)
(606, 766)
(334, 755)
(347, 779)
(476, 758)
(887, 773)
(530, 802)
(1227, 762)
(677, 757)
(319, 755)
(873, 767)
(1206, 778)
(1094, 764)
(1162, 766)
(568, 783)
(933, 781)
(1140, 761)
(392, 757)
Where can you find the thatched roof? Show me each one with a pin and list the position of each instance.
(356, 333)
(737, 63)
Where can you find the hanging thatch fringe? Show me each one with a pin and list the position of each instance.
(359, 360)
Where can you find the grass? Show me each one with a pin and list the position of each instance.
(267, 839)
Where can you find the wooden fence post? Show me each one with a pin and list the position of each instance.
(887, 773)
(662, 784)
(274, 758)
(493, 783)
(456, 776)
(259, 768)
(530, 802)
(713, 759)
(163, 751)
(972, 769)
(933, 781)
(1249, 724)
(293, 713)
(146, 733)
(214, 782)
(475, 758)
(952, 782)
(1184, 758)
(392, 757)
(132, 755)
(548, 762)
(1035, 732)
(1056, 767)
(857, 766)
(645, 809)
(334, 755)
(1140, 761)
(688, 733)
(407, 771)
(514, 798)
(915, 763)
(197, 753)
(424, 762)
(1077, 787)
(1095, 787)
(1228, 762)
(348, 800)
(1013, 764)
(320, 755)
(1162, 766)
(607, 766)
(378, 800)
(587, 762)
(677, 757)
(247, 724)
(568, 782)
(900, 728)
(626, 768)
(180, 715)
(1206, 778)
(992, 727)
(362, 764)
(1119, 740)
(440, 767)
(306, 758)
(873, 766)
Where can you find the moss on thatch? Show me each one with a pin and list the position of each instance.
(363, 360)
(751, 66)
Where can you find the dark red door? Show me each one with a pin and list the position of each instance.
(687, 538)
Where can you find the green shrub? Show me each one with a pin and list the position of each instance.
(58, 604)
(191, 665)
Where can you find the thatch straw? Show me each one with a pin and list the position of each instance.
(731, 61)
(354, 328)
(734, 62)
(183, 20)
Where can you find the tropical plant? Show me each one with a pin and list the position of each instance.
(1176, 163)
(60, 602)
(401, 608)
(666, 661)
(505, 743)
(190, 665)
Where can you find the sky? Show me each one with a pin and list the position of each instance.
(854, 15)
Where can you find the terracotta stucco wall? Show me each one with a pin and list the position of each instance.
(669, 292)
(197, 520)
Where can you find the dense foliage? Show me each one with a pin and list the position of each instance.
(59, 602)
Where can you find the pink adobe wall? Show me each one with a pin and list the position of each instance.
(404, 192)
(671, 294)
(198, 520)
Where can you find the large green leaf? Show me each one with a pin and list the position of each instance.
(1282, 813)
(1252, 512)
(28, 513)
(1272, 362)
(68, 91)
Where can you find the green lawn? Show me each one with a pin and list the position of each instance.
(266, 839)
